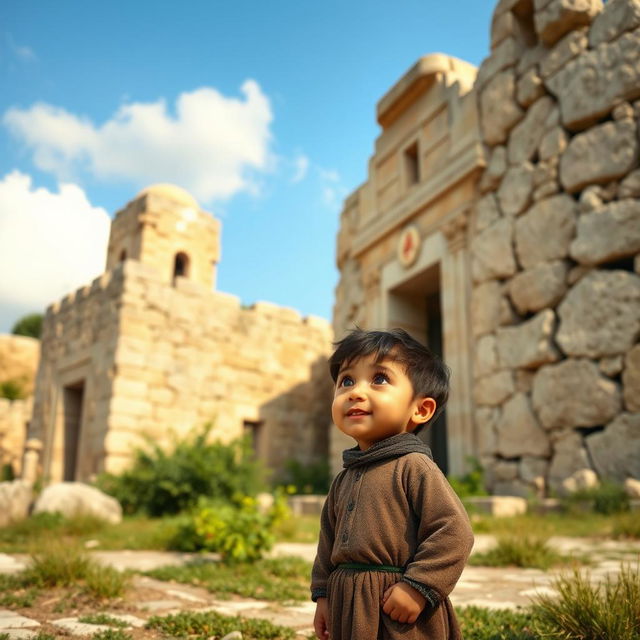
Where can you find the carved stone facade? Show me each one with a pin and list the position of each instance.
(149, 349)
(530, 226)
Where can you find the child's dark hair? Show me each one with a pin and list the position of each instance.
(429, 376)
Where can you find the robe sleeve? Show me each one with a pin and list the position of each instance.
(322, 566)
(444, 532)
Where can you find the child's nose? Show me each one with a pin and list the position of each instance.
(355, 392)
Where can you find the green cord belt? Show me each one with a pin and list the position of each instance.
(371, 567)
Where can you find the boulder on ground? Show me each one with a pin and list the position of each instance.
(580, 480)
(632, 488)
(15, 500)
(74, 498)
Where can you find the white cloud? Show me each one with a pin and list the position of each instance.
(50, 244)
(333, 191)
(301, 167)
(23, 52)
(211, 146)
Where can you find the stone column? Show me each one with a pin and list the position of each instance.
(455, 296)
(31, 460)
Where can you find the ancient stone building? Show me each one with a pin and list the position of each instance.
(500, 223)
(151, 350)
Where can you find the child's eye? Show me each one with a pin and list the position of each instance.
(347, 381)
(380, 378)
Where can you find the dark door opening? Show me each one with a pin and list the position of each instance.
(436, 434)
(73, 400)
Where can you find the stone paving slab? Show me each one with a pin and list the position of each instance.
(12, 620)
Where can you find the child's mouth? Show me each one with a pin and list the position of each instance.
(353, 413)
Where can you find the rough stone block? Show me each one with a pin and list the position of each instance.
(493, 390)
(608, 233)
(533, 470)
(495, 169)
(560, 392)
(487, 212)
(567, 49)
(630, 186)
(604, 153)
(519, 433)
(600, 316)
(15, 500)
(499, 506)
(534, 242)
(589, 86)
(555, 18)
(616, 450)
(540, 287)
(486, 423)
(504, 55)
(632, 488)
(499, 111)
(579, 481)
(486, 357)
(492, 252)
(618, 16)
(74, 498)
(486, 301)
(529, 87)
(611, 366)
(529, 344)
(514, 194)
(553, 143)
(631, 379)
(526, 135)
(570, 455)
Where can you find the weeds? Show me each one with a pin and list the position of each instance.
(626, 525)
(112, 634)
(278, 579)
(607, 498)
(102, 618)
(585, 611)
(212, 625)
(525, 551)
(478, 623)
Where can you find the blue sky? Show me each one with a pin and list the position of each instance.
(265, 111)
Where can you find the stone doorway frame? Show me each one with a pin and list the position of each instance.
(446, 247)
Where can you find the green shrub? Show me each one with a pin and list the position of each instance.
(238, 530)
(102, 618)
(209, 624)
(607, 498)
(307, 478)
(478, 623)
(527, 551)
(112, 634)
(6, 473)
(12, 390)
(166, 482)
(585, 611)
(29, 325)
(472, 483)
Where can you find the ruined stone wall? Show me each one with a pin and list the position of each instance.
(556, 238)
(187, 356)
(19, 360)
(14, 419)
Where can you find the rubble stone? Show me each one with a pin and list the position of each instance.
(494, 389)
(632, 488)
(565, 50)
(540, 287)
(569, 456)
(487, 211)
(518, 430)
(499, 111)
(492, 252)
(529, 87)
(15, 500)
(611, 366)
(553, 143)
(486, 360)
(630, 186)
(610, 232)
(560, 392)
(618, 16)
(603, 153)
(580, 480)
(74, 498)
(616, 450)
(505, 55)
(529, 344)
(554, 18)
(600, 316)
(589, 86)
(514, 194)
(486, 422)
(526, 135)
(486, 303)
(534, 243)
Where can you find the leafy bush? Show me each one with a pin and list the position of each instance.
(239, 530)
(6, 473)
(209, 624)
(12, 390)
(527, 551)
(585, 611)
(165, 482)
(478, 623)
(307, 478)
(472, 483)
(607, 498)
(30, 325)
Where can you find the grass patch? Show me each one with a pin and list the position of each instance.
(478, 623)
(298, 529)
(626, 525)
(524, 551)
(277, 579)
(102, 618)
(211, 625)
(586, 611)
(112, 634)
(62, 566)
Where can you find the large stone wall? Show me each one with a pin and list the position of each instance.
(19, 360)
(556, 244)
(158, 360)
(14, 420)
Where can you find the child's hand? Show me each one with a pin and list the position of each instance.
(320, 619)
(401, 602)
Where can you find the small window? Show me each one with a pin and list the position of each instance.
(412, 164)
(253, 431)
(181, 265)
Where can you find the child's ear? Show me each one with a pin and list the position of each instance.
(424, 410)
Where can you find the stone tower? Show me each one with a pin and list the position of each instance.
(164, 227)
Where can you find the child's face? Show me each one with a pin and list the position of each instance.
(374, 401)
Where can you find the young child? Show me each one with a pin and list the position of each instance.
(394, 537)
